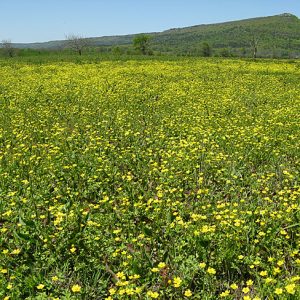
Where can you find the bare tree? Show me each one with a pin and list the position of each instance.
(8, 48)
(254, 44)
(76, 42)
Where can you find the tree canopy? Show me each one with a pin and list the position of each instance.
(141, 43)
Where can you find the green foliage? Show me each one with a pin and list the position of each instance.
(279, 36)
(277, 32)
(227, 53)
(141, 43)
(206, 50)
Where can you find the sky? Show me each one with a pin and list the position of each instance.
(24, 21)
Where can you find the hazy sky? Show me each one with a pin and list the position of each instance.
(44, 20)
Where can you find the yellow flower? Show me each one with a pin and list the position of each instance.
(121, 275)
(211, 271)
(122, 291)
(177, 282)
(225, 293)
(247, 298)
(295, 278)
(54, 278)
(161, 265)
(280, 263)
(234, 286)
(129, 291)
(76, 288)
(188, 293)
(263, 273)
(73, 249)
(202, 265)
(112, 291)
(290, 288)
(155, 270)
(278, 291)
(246, 290)
(40, 286)
(4, 271)
(249, 282)
(153, 295)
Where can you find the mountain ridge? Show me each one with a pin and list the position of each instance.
(280, 32)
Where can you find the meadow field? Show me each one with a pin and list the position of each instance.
(150, 179)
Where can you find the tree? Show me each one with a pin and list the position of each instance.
(243, 52)
(141, 43)
(116, 50)
(206, 50)
(8, 48)
(76, 42)
(254, 44)
(225, 52)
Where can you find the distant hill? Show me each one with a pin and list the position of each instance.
(276, 35)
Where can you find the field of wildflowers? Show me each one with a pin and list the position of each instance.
(150, 180)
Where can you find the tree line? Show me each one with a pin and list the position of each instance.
(142, 45)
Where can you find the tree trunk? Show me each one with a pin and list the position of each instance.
(254, 52)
